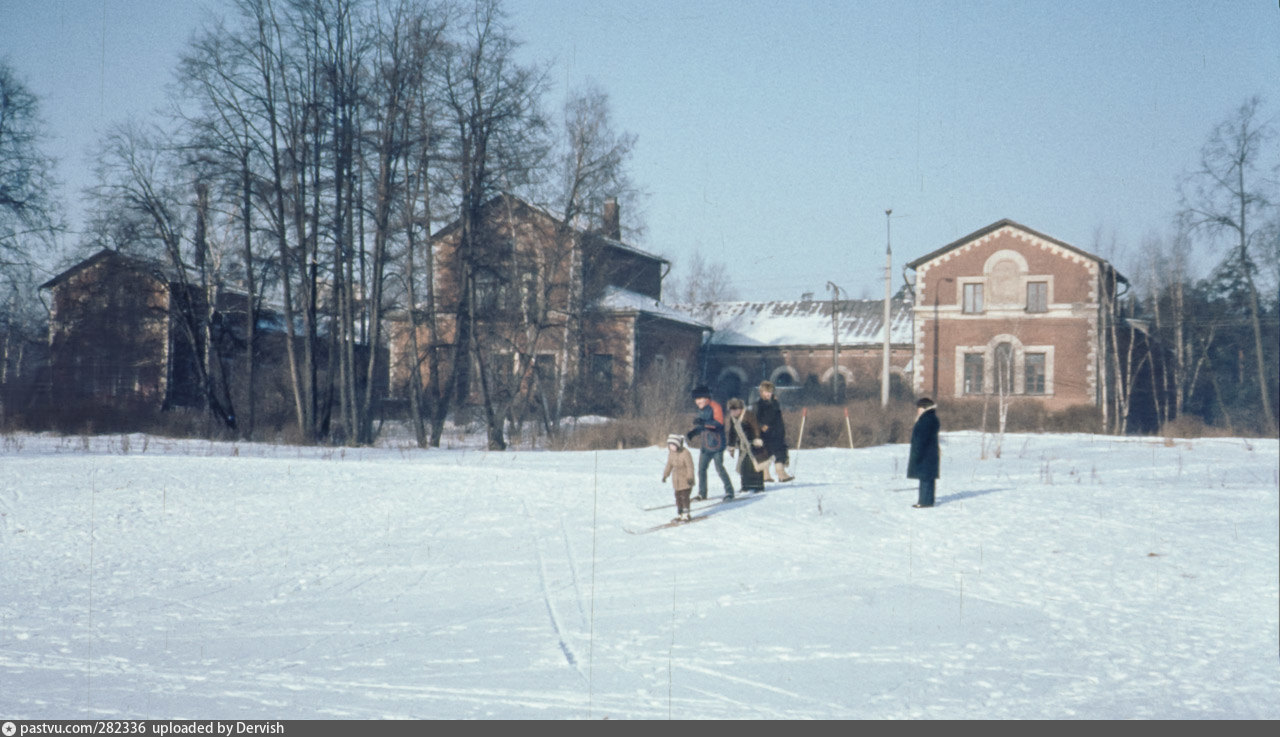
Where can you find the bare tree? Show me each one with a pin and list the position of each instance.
(29, 211)
(590, 173)
(139, 176)
(1228, 197)
(702, 283)
(30, 217)
(496, 145)
(411, 133)
(216, 76)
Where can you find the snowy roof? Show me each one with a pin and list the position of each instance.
(806, 322)
(625, 300)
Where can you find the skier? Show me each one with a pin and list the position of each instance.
(773, 431)
(745, 438)
(680, 470)
(709, 423)
(925, 455)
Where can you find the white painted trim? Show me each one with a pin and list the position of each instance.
(844, 371)
(1006, 254)
(736, 371)
(785, 369)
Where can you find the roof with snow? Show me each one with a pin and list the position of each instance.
(625, 300)
(807, 322)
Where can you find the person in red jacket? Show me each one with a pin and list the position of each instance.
(709, 423)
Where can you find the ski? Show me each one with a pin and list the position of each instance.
(665, 525)
(696, 502)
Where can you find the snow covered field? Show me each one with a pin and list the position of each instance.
(1076, 576)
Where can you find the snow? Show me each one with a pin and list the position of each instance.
(625, 300)
(807, 323)
(1075, 576)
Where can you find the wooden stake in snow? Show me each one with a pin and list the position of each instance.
(848, 428)
(804, 412)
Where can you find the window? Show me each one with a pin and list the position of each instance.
(602, 370)
(972, 298)
(488, 296)
(544, 369)
(1037, 296)
(1035, 373)
(1004, 368)
(529, 296)
(973, 368)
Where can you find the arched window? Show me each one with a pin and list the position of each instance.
(1004, 368)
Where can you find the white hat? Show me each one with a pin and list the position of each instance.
(675, 438)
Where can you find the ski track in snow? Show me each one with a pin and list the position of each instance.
(547, 598)
(1072, 577)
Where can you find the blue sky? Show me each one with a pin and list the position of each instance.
(774, 135)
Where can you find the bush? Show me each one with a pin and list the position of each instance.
(1025, 415)
(1190, 426)
(869, 423)
(627, 432)
(824, 426)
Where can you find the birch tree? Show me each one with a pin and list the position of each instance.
(1229, 197)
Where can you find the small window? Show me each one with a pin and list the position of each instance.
(1035, 373)
(544, 369)
(973, 298)
(529, 302)
(1037, 296)
(602, 370)
(488, 293)
(973, 369)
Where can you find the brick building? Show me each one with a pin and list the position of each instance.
(112, 334)
(1009, 310)
(127, 331)
(803, 351)
(581, 309)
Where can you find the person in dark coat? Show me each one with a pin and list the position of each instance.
(773, 431)
(709, 423)
(925, 455)
(745, 440)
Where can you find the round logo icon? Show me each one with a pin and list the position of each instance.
(9, 729)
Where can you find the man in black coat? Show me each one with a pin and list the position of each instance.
(925, 456)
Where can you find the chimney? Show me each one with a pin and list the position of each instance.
(612, 224)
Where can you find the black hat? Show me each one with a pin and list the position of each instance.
(701, 390)
(924, 403)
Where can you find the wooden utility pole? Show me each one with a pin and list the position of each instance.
(835, 342)
(888, 289)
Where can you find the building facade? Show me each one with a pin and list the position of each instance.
(1013, 312)
(821, 350)
(558, 314)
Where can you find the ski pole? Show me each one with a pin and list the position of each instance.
(804, 412)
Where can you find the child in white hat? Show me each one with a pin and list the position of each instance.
(680, 470)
